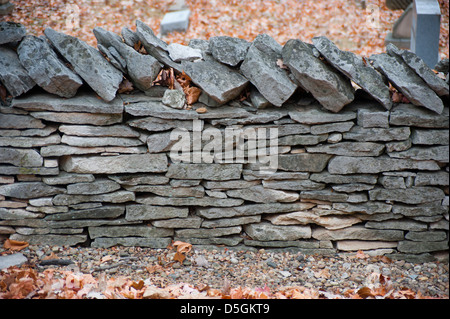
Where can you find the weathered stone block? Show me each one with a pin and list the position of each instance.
(155, 163)
(268, 232)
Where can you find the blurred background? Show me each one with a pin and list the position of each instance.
(359, 26)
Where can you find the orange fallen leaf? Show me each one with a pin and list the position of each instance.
(192, 94)
(15, 244)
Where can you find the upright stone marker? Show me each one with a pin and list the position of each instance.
(175, 21)
(425, 30)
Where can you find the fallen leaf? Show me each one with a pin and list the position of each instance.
(192, 94)
(361, 255)
(182, 247)
(365, 292)
(15, 245)
(125, 86)
(138, 285)
(106, 259)
(179, 257)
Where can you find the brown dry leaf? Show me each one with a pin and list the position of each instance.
(125, 86)
(138, 285)
(182, 247)
(179, 257)
(365, 292)
(192, 94)
(361, 255)
(15, 245)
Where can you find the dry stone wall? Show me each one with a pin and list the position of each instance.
(305, 162)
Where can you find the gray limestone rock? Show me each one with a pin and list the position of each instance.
(229, 222)
(190, 201)
(51, 239)
(410, 115)
(375, 134)
(20, 157)
(437, 153)
(11, 32)
(415, 247)
(155, 243)
(115, 197)
(430, 137)
(142, 69)
(354, 68)
(328, 178)
(228, 50)
(260, 194)
(314, 115)
(220, 82)
(45, 68)
(15, 121)
(293, 185)
(26, 190)
(254, 209)
(421, 68)
(267, 232)
(155, 46)
(214, 172)
(79, 118)
(358, 233)
(260, 67)
(330, 88)
(98, 131)
(129, 231)
(107, 211)
(188, 222)
(16, 259)
(407, 82)
(362, 165)
(208, 232)
(133, 163)
(12, 74)
(412, 195)
(178, 53)
(83, 102)
(303, 162)
(402, 224)
(93, 141)
(349, 149)
(174, 98)
(88, 63)
(98, 186)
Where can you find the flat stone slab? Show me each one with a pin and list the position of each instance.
(314, 115)
(150, 212)
(220, 82)
(214, 172)
(82, 103)
(267, 232)
(28, 190)
(330, 88)
(155, 46)
(407, 82)
(127, 231)
(45, 68)
(12, 74)
(20, 157)
(155, 243)
(362, 165)
(260, 67)
(228, 50)
(349, 149)
(412, 195)
(16, 259)
(11, 32)
(88, 63)
(410, 115)
(142, 69)
(421, 68)
(354, 68)
(303, 162)
(260, 194)
(134, 163)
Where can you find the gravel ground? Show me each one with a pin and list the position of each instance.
(238, 268)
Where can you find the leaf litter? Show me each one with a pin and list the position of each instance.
(31, 282)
